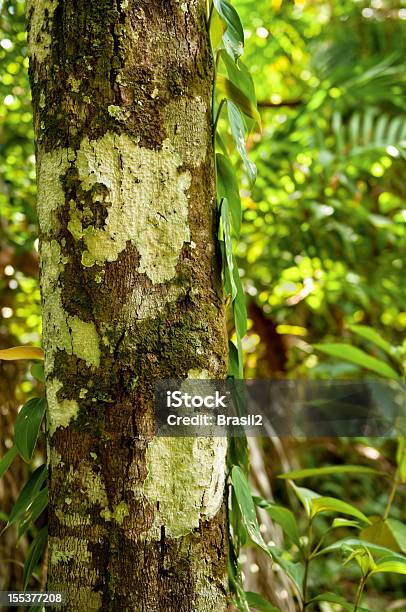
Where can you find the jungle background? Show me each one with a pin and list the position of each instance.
(322, 246)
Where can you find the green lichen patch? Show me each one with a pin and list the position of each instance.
(60, 412)
(85, 341)
(40, 13)
(147, 203)
(94, 487)
(51, 168)
(176, 465)
(118, 515)
(69, 548)
(118, 113)
(62, 331)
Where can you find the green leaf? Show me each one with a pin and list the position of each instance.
(28, 494)
(37, 507)
(225, 219)
(34, 555)
(380, 533)
(282, 516)
(331, 504)
(246, 504)
(330, 469)
(27, 426)
(344, 522)
(396, 567)
(238, 132)
(227, 187)
(221, 144)
(240, 357)
(217, 29)
(233, 37)
(7, 460)
(333, 598)
(37, 372)
(240, 75)
(398, 531)
(234, 93)
(401, 457)
(255, 600)
(239, 306)
(375, 549)
(357, 356)
(305, 496)
(233, 365)
(370, 334)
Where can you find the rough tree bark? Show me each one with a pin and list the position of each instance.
(131, 294)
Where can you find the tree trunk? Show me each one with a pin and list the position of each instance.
(131, 295)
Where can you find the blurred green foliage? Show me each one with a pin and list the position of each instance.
(19, 293)
(323, 237)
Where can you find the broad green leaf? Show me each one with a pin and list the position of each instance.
(330, 469)
(28, 494)
(227, 187)
(398, 530)
(333, 598)
(372, 335)
(305, 496)
(380, 533)
(217, 29)
(233, 37)
(34, 555)
(225, 219)
(233, 366)
(396, 567)
(240, 75)
(256, 601)
(375, 549)
(284, 517)
(357, 356)
(221, 144)
(7, 460)
(331, 504)
(34, 512)
(234, 93)
(238, 132)
(246, 504)
(37, 372)
(27, 426)
(401, 457)
(22, 352)
(239, 306)
(240, 357)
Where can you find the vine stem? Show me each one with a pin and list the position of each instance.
(211, 7)
(307, 562)
(360, 592)
(223, 100)
(395, 484)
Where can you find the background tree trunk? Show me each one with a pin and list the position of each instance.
(131, 294)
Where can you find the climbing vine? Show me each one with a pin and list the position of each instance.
(234, 94)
